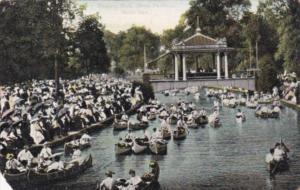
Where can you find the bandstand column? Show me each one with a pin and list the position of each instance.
(218, 66)
(226, 65)
(184, 67)
(176, 66)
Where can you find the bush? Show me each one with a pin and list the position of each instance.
(146, 89)
(119, 71)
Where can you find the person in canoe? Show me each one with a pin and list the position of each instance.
(134, 181)
(56, 165)
(25, 156)
(76, 154)
(85, 138)
(156, 135)
(13, 166)
(44, 156)
(109, 183)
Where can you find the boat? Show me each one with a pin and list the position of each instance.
(17, 180)
(32, 178)
(179, 134)
(138, 126)
(166, 133)
(202, 120)
(197, 96)
(251, 105)
(120, 125)
(123, 148)
(274, 114)
(151, 116)
(192, 124)
(216, 123)
(158, 147)
(69, 147)
(275, 167)
(166, 93)
(240, 118)
(173, 120)
(139, 146)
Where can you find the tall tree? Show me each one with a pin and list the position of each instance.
(89, 40)
(132, 49)
(289, 32)
(31, 34)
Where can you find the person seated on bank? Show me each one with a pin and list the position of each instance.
(134, 181)
(25, 156)
(109, 183)
(13, 165)
(56, 165)
(85, 138)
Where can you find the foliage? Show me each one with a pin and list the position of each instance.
(119, 71)
(146, 89)
(90, 43)
(289, 31)
(132, 48)
(267, 77)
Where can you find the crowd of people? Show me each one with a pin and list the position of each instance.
(33, 113)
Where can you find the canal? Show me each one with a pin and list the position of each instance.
(230, 157)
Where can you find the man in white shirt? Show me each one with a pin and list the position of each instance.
(46, 152)
(108, 183)
(278, 153)
(270, 156)
(76, 154)
(156, 135)
(134, 181)
(25, 156)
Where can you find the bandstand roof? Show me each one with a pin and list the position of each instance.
(200, 43)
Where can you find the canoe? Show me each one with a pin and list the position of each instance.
(158, 147)
(69, 147)
(240, 119)
(262, 115)
(216, 123)
(118, 126)
(166, 134)
(179, 134)
(274, 115)
(275, 167)
(151, 116)
(139, 146)
(122, 148)
(71, 171)
(202, 120)
(173, 120)
(192, 125)
(138, 126)
(17, 180)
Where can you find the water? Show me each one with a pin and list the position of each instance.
(230, 157)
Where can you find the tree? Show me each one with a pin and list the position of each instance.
(289, 32)
(267, 77)
(132, 48)
(31, 34)
(89, 40)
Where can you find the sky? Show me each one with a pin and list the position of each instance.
(156, 15)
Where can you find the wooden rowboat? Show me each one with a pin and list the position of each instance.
(166, 134)
(158, 147)
(179, 134)
(69, 147)
(138, 126)
(139, 146)
(71, 171)
(202, 120)
(123, 148)
(118, 126)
